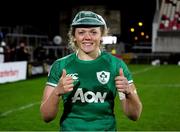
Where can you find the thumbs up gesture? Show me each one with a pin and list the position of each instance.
(121, 83)
(65, 84)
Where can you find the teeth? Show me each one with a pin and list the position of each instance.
(87, 44)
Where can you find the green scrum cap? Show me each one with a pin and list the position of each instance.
(88, 18)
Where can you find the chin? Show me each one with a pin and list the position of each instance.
(88, 50)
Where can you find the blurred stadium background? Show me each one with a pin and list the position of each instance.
(144, 33)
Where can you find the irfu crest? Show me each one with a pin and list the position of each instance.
(103, 77)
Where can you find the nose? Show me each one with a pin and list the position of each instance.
(87, 36)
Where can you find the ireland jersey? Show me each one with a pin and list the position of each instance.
(90, 105)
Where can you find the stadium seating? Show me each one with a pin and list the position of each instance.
(166, 30)
(169, 15)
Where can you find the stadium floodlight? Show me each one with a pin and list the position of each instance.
(109, 40)
(142, 33)
(135, 38)
(132, 29)
(57, 40)
(140, 24)
(147, 36)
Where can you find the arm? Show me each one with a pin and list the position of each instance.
(50, 102)
(131, 104)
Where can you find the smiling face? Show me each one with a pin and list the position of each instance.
(88, 39)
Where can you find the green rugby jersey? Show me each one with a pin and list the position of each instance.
(90, 105)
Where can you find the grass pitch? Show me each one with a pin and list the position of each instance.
(158, 88)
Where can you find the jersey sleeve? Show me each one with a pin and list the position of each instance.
(54, 74)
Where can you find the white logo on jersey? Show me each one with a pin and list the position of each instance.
(103, 77)
(73, 75)
(89, 96)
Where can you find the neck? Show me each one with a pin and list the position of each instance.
(88, 56)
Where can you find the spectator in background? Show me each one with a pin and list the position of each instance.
(1, 54)
(10, 53)
(88, 81)
(22, 52)
(40, 54)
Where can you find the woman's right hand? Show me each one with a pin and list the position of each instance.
(65, 84)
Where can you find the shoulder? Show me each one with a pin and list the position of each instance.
(111, 58)
(61, 62)
(114, 61)
(65, 59)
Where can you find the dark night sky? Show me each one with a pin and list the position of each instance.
(44, 15)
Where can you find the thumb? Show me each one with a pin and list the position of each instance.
(63, 73)
(121, 72)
